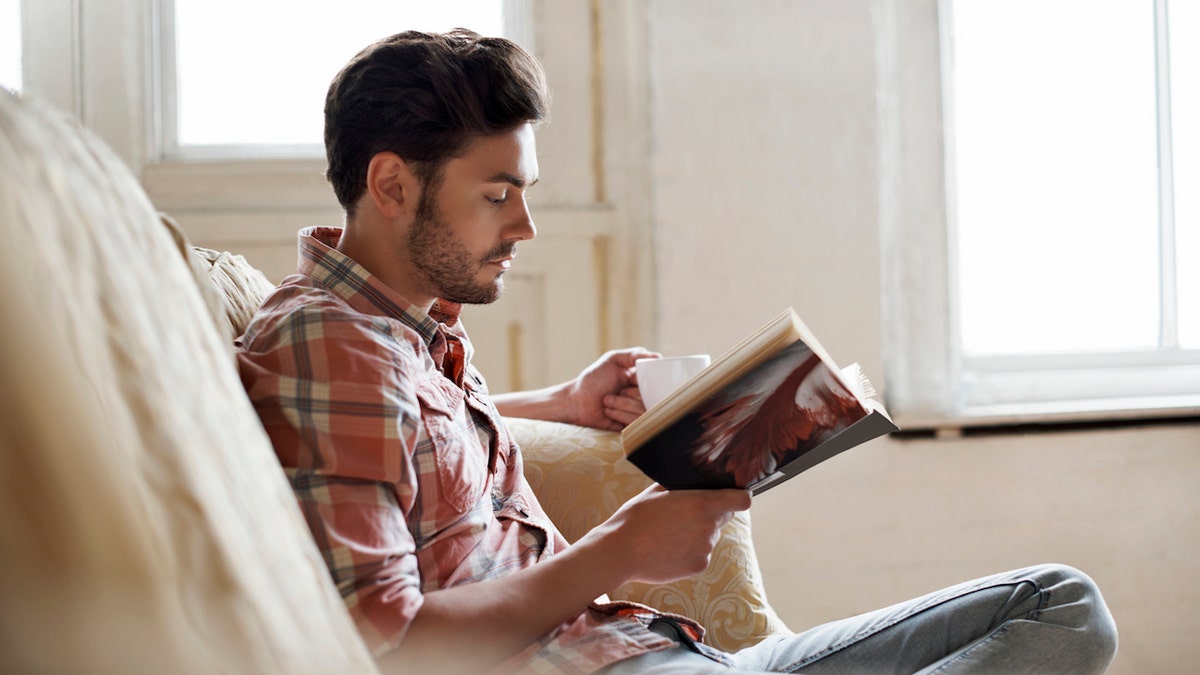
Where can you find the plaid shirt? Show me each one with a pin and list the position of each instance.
(403, 468)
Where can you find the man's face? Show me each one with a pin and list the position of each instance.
(465, 231)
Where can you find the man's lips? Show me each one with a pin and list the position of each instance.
(504, 260)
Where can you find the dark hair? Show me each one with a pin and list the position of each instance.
(425, 97)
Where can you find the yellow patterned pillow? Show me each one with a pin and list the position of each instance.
(581, 478)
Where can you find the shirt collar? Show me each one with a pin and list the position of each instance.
(320, 260)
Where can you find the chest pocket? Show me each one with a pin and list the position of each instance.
(460, 458)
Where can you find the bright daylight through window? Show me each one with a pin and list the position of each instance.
(1076, 154)
(1062, 283)
(260, 80)
(10, 44)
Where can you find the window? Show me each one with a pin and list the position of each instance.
(10, 44)
(1068, 286)
(1068, 235)
(256, 85)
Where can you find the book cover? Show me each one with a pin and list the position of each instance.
(769, 409)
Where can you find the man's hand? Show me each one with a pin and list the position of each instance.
(661, 536)
(604, 396)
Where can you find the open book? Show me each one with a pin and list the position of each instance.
(773, 406)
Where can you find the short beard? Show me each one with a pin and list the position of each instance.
(447, 267)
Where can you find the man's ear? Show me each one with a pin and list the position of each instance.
(392, 185)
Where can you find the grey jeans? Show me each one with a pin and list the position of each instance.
(1043, 619)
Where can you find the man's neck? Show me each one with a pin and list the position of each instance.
(365, 244)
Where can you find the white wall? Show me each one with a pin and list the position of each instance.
(765, 183)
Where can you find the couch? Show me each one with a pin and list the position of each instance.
(146, 525)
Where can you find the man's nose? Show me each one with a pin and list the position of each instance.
(522, 227)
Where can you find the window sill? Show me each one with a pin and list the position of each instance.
(1030, 425)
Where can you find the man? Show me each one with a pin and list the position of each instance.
(361, 372)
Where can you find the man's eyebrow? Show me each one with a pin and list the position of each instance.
(505, 177)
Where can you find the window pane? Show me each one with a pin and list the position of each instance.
(1056, 178)
(10, 44)
(1185, 121)
(256, 71)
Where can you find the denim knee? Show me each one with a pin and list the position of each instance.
(1075, 601)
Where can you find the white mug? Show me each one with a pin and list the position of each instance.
(659, 377)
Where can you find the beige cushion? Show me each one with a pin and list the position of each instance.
(145, 525)
(233, 289)
(581, 478)
(214, 300)
(242, 287)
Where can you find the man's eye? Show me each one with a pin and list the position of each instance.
(497, 201)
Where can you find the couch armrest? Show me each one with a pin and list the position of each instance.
(581, 477)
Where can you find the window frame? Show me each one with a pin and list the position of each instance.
(164, 102)
(164, 110)
(930, 383)
(250, 177)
